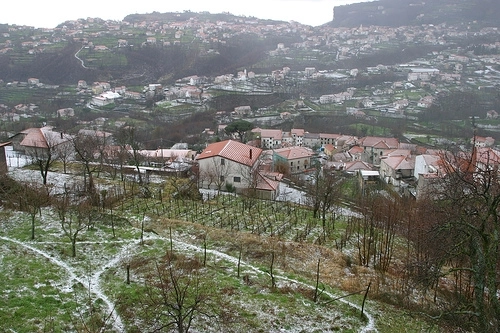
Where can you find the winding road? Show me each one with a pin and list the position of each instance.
(79, 59)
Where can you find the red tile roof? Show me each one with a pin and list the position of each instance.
(291, 153)
(266, 184)
(42, 137)
(271, 133)
(400, 162)
(297, 131)
(232, 150)
(357, 165)
(329, 136)
(356, 150)
(34, 138)
(379, 142)
(488, 156)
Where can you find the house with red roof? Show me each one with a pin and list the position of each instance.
(297, 135)
(354, 167)
(356, 153)
(275, 138)
(327, 138)
(376, 147)
(487, 158)
(234, 164)
(271, 138)
(480, 141)
(395, 169)
(329, 150)
(427, 173)
(298, 159)
(39, 139)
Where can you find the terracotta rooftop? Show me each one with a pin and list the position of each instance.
(380, 142)
(329, 136)
(297, 131)
(34, 138)
(357, 165)
(399, 162)
(356, 150)
(266, 184)
(488, 156)
(232, 150)
(41, 137)
(271, 133)
(291, 153)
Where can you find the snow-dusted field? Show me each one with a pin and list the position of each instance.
(123, 248)
(126, 249)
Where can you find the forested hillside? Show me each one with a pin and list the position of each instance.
(413, 12)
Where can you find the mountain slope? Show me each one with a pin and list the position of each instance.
(414, 12)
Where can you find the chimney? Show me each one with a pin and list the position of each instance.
(250, 153)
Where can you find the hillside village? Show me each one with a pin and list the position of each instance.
(366, 125)
(404, 165)
(407, 90)
(264, 161)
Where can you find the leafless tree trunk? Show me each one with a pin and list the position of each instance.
(32, 198)
(87, 151)
(176, 293)
(467, 204)
(73, 216)
(44, 152)
(127, 139)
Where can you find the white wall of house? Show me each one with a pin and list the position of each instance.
(236, 174)
(422, 166)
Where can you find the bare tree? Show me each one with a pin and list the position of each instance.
(65, 153)
(127, 138)
(466, 212)
(32, 198)
(116, 157)
(176, 293)
(73, 216)
(216, 173)
(87, 150)
(44, 149)
(324, 191)
(252, 177)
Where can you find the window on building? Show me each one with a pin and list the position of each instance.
(237, 179)
(222, 161)
(221, 178)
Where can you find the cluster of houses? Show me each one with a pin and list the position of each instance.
(260, 165)
(275, 154)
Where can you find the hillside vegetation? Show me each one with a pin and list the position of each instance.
(409, 12)
(273, 269)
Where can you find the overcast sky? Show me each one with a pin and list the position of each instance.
(50, 13)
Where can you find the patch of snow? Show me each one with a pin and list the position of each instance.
(93, 284)
(370, 327)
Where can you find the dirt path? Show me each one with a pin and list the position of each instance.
(93, 282)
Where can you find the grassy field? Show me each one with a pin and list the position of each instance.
(236, 244)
